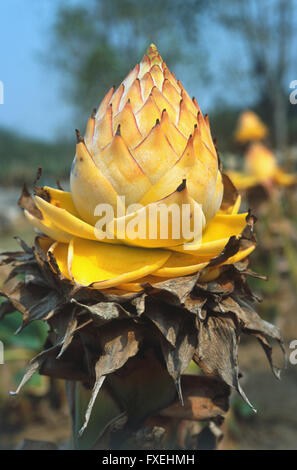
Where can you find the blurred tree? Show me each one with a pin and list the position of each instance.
(268, 32)
(96, 42)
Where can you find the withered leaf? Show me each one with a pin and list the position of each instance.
(33, 366)
(217, 351)
(34, 302)
(195, 304)
(118, 343)
(142, 380)
(97, 335)
(139, 303)
(173, 291)
(204, 398)
(167, 319)
(103, 311)
(250, 319)
(229, 250)
(179, 357)
(230, 193)
(26, 202)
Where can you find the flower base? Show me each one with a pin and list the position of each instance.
(124, 355)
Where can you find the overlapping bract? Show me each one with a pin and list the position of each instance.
(149, 142)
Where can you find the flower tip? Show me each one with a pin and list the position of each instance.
(153, 53)
(118, 131)
(152, 47)
(38, 175)
(79, 137)
(182, 186)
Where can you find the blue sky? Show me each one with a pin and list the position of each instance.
(32, 92)
(33, 100)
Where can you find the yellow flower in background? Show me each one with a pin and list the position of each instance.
(148, 143)
(249, 128)
(260, 167)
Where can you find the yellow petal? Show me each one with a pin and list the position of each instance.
(206, 250)
(129, 81)
(130, 287)
(241, 254)
(103, 133)
(62, 199)
(133, 93)
(125, 174)
(163, 103)
(216, 235)
(171, 77)
(66, 221)
(163, 223)
(106, 266)
(104, 104)
(147, 84)
(48, 228)
(116, 98)
(206, 137)
(146, 117)
(203, 147)
(174, 136)
(90, 129)
(129, 129)
(45, 243)
(224, 226)
(89, 186)
(180, 264)
(157, 75)
(145, 66)
(212, 206)
(171, 94)
(60, 252)
(201, 183)
(155, 155)
(189, 103)
(212, 273)
(186, 120)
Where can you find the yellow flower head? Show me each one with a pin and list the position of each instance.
(250, 127)
(147, 146)
(260, 162)
(260, 167)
